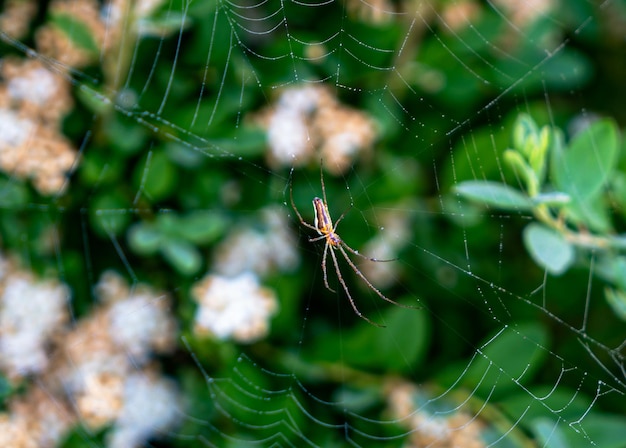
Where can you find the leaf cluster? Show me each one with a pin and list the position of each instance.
(572, 204)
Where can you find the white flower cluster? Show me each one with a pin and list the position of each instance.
(453, 428)
(33, 101)
(526, 12)
(288, 138)
(288, 130)
(107, 355)
(139, 321)
(37, 85)
(31, 311)
(16, 15)
(150, 406)
(34, 420)
(233, 307)
(261, 248)
(101, 365)
(309, 122)
(15, 130)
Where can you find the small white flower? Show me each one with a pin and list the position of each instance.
(100, 401)
(267, 246)
(138, 320)
(243, 250)
(300, 100)
(151, 405)
(14, 131)
(30, 312)
(310, 119)
(523, 13)
(138, 323)
(289, 129)
(436, 428)
(340, 148)
(34, 419)
(288, 137)
(36, 86)
(233, 307)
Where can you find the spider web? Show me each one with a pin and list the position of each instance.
(491, 354)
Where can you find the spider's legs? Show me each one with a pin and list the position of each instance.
(367, 258)
(367, 282)
(322, 181)
(317, 238)
(324, 270)
(345, 288)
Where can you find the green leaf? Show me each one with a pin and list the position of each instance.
(587, 164)
(168, 223)
(126, 137)
(357, 400)
(525, 130)
(5, 388)
(202, 227)
(617, 300)
(571, 403)
(618, 242)
(144, 238)
(184, 257)
(548, 248)
(99, 168)
(184, 156)
(76, 31)
(611, 267)
(108, 214)
(566, 70)
(495, 365)
(94, 100)
(392, 347)
(618, 191)
(494, 194)
(522, 169)
(469, 159)
(606, 431)
(463, 213)
(247, 142)
(537, 157)
(13, 194)
(619, 268)
(552, 198)
(592, 213)
(76, 438)
(549, 433)
(163, 25)
(157, 176)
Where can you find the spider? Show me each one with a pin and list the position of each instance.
(328, 231)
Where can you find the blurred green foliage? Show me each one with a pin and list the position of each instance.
(171, 161)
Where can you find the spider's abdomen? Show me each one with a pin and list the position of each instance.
(323, 223)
